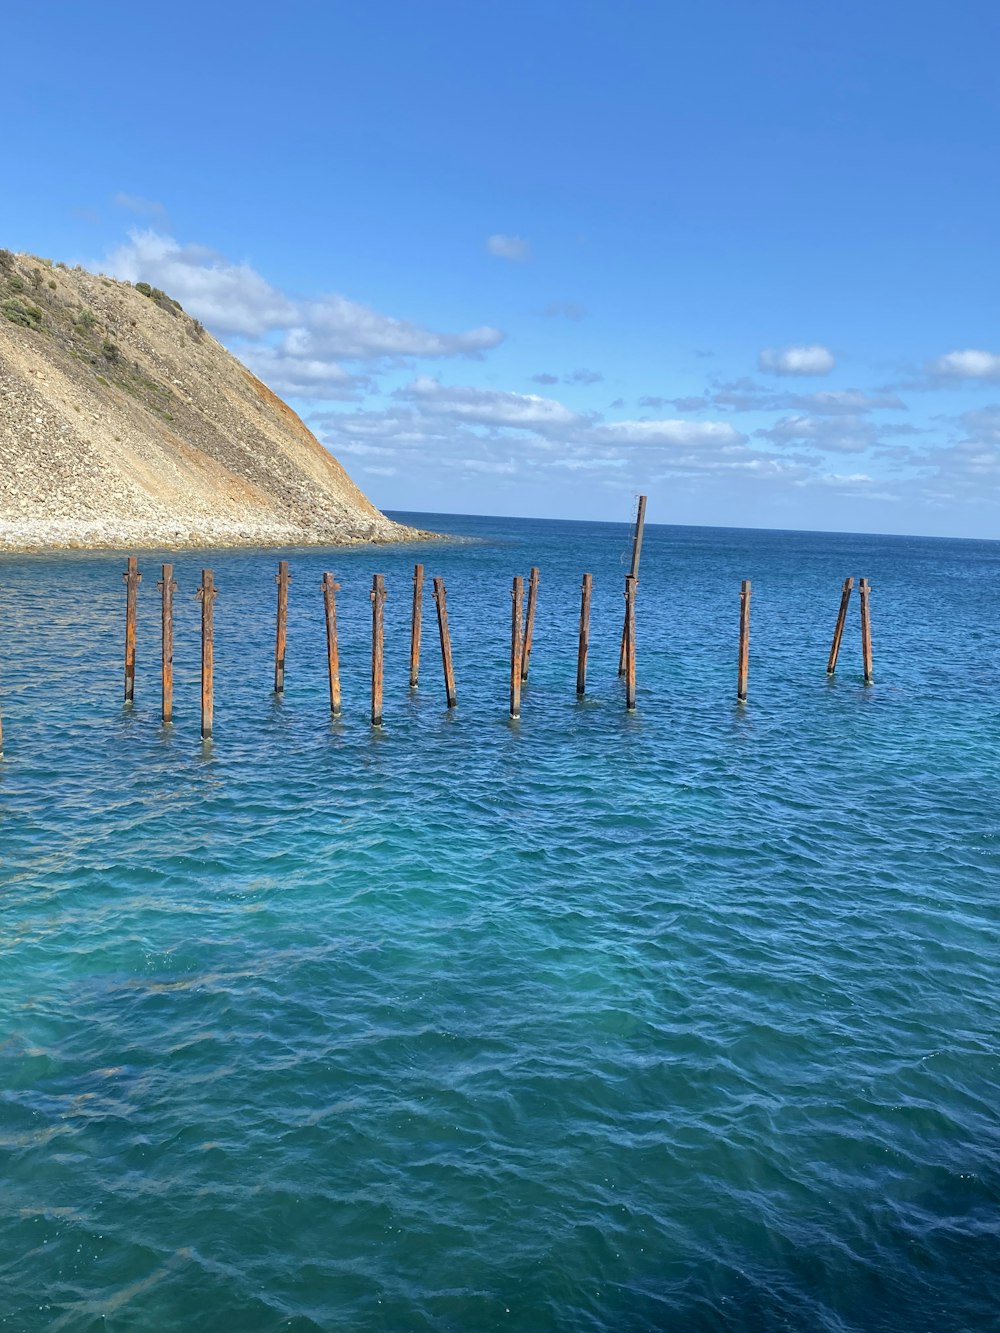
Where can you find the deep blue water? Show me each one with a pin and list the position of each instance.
(679, 1020)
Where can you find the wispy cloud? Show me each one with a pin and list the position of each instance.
(811, 360)
(134, 203)
(564, 309)
(514, 248)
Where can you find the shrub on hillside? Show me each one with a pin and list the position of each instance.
(22, 312)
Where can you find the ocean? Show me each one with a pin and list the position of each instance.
(681, 1019)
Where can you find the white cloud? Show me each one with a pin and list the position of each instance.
(488, 407)
(514, 248)
(302, 376)
(812, 360)
(669, 432)
(229, 298)
(967, 365)
(837, 434)
(294, 344)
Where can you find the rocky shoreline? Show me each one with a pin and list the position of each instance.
(53, 535)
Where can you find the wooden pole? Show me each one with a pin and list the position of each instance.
(744, 669)
(516, 645)
(132, 578)
(206, 595)
(330, 589)
(630, 585)
(529, 621)
(282, 579)
(418, 598)
(838, 633)
(440, 598)
(864, 592)
(581, 655)
(640, 523)
(378, 645)
(167, 587)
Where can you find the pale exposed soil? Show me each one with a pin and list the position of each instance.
(124, 424)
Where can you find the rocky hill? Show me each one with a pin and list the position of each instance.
(123, 423)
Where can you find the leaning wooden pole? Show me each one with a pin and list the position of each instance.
(581, 653)
(132, 578)
(206, 595)
(640, 523)
(330, 588)
(838, 633)
(516, 645)
(864, 592)
(744, 664)
(282, 579)
(167, 587)
(440, 599)
(529, 621)
(418, 600)
(630, 585)
(378, 645)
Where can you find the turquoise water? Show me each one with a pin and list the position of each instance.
(679, 1020)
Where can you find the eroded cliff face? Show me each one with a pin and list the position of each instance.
(124, 423)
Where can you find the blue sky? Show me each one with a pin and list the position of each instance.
(535, 258)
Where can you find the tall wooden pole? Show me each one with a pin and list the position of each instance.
(581, 654)
(838, 633)
(330, 589)
(440, 599)
(516, 645)
(744, 666)
(167, 587)
(132, 578)
(378, 645)
(282, 579)
(529, 621)
(640, 523)
(864, 592)
(418, 598)
(206, 595)
(630, 585)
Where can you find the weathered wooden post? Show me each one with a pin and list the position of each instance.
(206, 595)
(442, 613)
(330, 589)
(516, 645)
(864, 592)
(529, 621)
(630, 585)
(418, 599)
(581, 655)
(132, 578)
(640, 523)
(378, 644)
(282, 579)
(744, 668)
(838, 633)
(167, 587)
